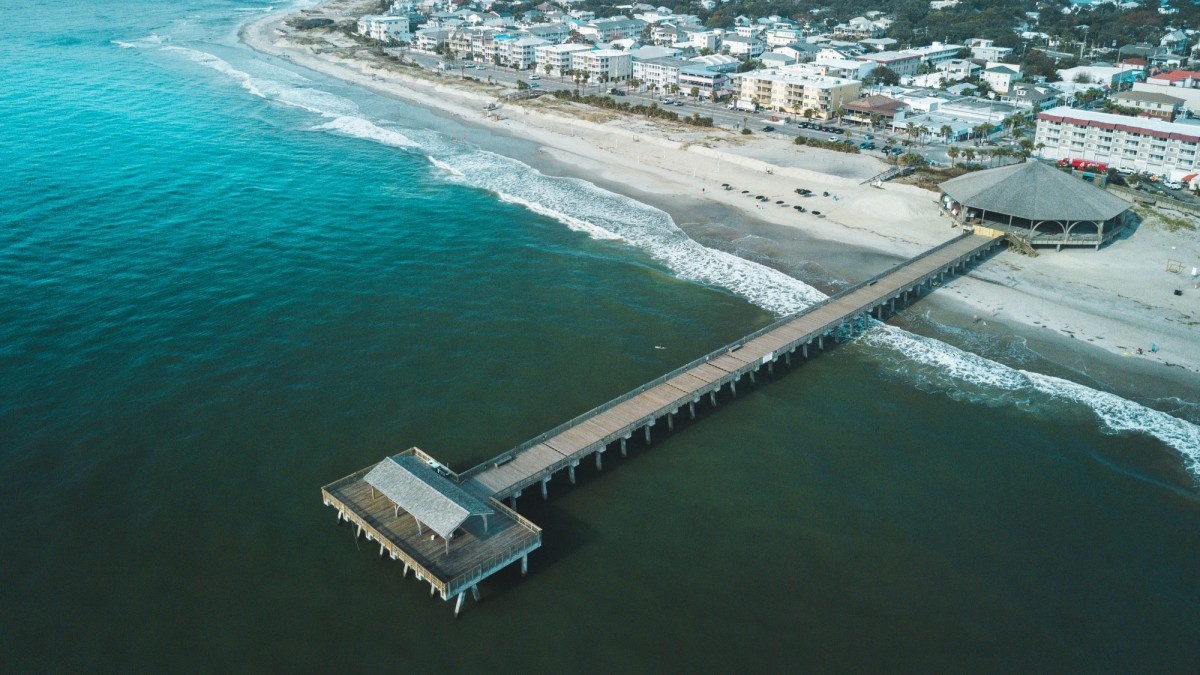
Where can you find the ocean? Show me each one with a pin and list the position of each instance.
(228, 281)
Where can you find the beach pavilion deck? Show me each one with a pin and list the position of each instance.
(452, 565)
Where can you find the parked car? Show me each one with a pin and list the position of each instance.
(768, 128)
(1173, 184)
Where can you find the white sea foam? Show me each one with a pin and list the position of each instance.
(361, 128)
(606, 215)
(220, 65)
(941, 367)
(124, 45)
(595, 231)
(444, 166)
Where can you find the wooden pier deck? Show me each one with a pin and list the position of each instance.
(564, 447)
(474, 551)
(450, 567)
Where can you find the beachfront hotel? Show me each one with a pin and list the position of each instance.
(1150, 146)
(794, 92)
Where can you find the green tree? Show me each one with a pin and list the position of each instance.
(884, 75)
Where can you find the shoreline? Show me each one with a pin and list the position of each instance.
(1064, 306)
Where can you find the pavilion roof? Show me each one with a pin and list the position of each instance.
(1034, 191)
(430, 497)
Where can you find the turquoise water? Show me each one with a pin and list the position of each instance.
(227, 283)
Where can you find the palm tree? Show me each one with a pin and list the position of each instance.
(952, 152)
(969, 155)
(946, 131)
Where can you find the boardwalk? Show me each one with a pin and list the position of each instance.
(535, 461)
(454, 566)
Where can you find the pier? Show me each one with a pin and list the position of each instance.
(466, 550)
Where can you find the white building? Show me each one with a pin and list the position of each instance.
(742, 47)
(659, 74)
(617, 28)
(385, 27)
(429, 39)
(935, 53)
(849, 68)
(1179, 83)
(986, 50)
(783, 37)
(959, 69)
(1139, 144)
(1103, 75)
(517, 51)
(603, 65)
(558, 57)
(902, 63)
(1000, 76)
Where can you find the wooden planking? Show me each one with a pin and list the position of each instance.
(667, 396)
(470, 547)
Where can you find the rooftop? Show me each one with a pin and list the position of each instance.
(1034, 191)
(1143, 125)
(1148, 97)
(432, 499)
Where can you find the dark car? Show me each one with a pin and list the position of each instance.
(768, 128)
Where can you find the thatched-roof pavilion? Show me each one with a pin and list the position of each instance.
(1038, 203)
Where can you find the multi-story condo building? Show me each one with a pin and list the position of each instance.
(429, 39)
(659, 73)
(517, 51)
(550, 32)
(603, 65)
(743, 47)
(796, 92)
(475, 41)
(986, 50)
(558, 57)
(384, 27)
(778, 37)
(1139, 144)
(903, 64)
(704, 81)
(617, 28)
(1149, 104)
(936, 53)
(1182, 84)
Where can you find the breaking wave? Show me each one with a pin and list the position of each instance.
(936, 366)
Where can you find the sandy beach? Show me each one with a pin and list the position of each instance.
(1087, 311)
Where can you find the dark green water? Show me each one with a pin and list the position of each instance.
(216, 301)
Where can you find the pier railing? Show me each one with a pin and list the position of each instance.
(472, 576)
(732, 346)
